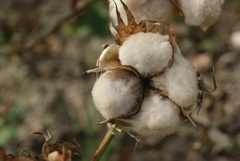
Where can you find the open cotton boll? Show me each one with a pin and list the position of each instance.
(203, 13)
(157, 118)
(159, 10)
(146, 52)
(181, 82)
(115, 93)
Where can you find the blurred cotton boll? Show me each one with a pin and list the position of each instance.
(181, 82)
(147, 52)
(235, 40)
(115, 93)
(160, 10)
(203, 13)
(157, 118)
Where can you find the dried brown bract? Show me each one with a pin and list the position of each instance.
(11, 157)
(57, 151)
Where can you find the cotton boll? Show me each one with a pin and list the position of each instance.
(157, 118)
(115, 93)
(181, 82)
(203, 13)
(146, 52)
(160, 10)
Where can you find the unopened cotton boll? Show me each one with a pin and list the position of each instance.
(203, 13)
(157, 118)
(146, 52)
(115, 93)
(181, 82)
(159, 10)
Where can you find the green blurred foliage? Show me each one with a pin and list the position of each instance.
(93, 21)
(21, 73)
(210, 43)
(9, 123)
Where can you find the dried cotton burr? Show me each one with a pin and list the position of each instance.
(147, 88)
(203, 13)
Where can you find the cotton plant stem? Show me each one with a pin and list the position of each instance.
(103, 146)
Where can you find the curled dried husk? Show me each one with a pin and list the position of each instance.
(56, 151)
(11, 157)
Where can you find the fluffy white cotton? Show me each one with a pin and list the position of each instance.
(159, 10)
(157, 118)
(235, 40)
(146, 52)
(109, 57)
(203, 13)
(181, 82)
(115, 93)
(159, 82)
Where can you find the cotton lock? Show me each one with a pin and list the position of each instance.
(147, 60)
(115, 93)
(157, 118)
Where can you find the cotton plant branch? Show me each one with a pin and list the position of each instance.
(40, 38)
(103, 146)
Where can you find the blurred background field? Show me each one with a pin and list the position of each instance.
(45, 48)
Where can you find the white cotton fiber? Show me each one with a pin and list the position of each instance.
(181, 82)
(157, 118)
(159, 82)
(147, 52)
(203, 13)
(115, 93)
(158, 10)
(109, 57)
